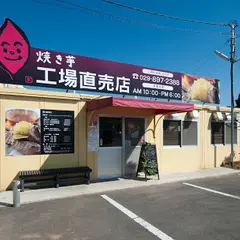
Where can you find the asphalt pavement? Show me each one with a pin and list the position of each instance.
(168, 211)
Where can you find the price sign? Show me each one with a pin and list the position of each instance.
(57, 131)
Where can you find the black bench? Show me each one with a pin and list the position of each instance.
(56, 175)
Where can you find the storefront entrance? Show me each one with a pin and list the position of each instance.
(119, 146)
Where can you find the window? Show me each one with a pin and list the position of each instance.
(171, 133)
(217, 132)
(221, 132)
(110, 131)
(228, 133)
(189, 133)
(180, 133)
(134, 130)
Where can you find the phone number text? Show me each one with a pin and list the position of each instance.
(155, 79)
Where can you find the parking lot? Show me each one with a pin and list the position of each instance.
(197, 209)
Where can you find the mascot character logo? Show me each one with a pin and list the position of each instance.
(14, 48)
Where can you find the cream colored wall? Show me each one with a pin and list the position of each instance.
(215, 155)
(205, 155)
(11, 165)
(170, 159)
(174, 159)
(177, 159)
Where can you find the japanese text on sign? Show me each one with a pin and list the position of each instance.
(59, 70)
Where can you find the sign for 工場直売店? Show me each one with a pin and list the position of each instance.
(60, 70)
(23, 65)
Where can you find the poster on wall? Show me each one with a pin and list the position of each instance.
(201, 89)
(93, 136)
(35, 131)
(57, 132)
(22, 64)
(22, 132)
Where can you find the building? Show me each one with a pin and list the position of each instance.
(43, 129)
(108, 132)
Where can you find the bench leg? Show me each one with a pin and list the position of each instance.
(22, 184)
(88, 178)
(57, 180)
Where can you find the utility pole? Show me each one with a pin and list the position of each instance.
(233, 26)
(232, 60)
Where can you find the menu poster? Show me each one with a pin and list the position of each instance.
(57, 132)
(38, 131)
(22, 132)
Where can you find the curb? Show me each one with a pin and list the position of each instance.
(130, 186)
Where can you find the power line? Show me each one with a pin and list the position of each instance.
(209, 59)
(124, 19)
(206, 58)
(98, 12)
(206, 61)
(52, 4)
(164, 15)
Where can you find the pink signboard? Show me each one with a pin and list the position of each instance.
(20, 64)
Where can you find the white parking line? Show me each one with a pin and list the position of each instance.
(213, 191)
(155, 231)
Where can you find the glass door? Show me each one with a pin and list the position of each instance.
(134, 134)
(110, 148)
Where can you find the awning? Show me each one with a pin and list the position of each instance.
(159, 107)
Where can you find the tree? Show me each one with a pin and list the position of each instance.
(238, 101)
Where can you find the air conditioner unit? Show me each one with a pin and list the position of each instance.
(175, 116)
(238, 116)
(228, 116)
(219, 116)
(195, 114)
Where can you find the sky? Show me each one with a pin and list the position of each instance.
(67, 29)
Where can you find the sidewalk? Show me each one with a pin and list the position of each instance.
(100, 187)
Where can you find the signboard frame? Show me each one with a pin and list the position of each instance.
(148, 153)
